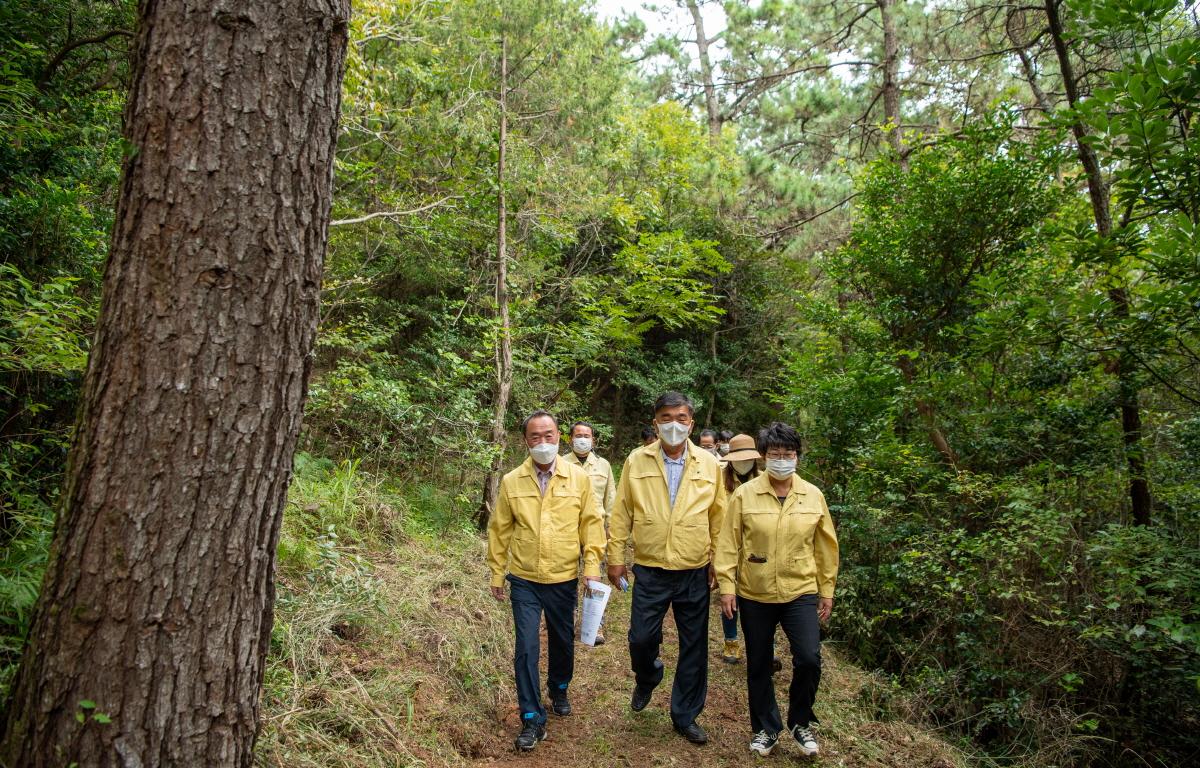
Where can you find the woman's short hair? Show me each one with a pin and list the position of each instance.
(778, 435)
(648, 433)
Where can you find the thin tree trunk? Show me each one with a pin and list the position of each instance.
(1140, 497)
(503, 357)
(891, 75)
(157, 602)
(928, 415)
(711, 105)
(713, 364)
(1043, 102)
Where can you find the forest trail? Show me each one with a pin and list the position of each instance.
(604, 731)
(428, 682)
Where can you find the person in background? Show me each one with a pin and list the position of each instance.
(546, 513)
(723, 438)
(583, 453)
(648, 436)
(777, 564)
(708, 441)
(741, 466)
(671, 501)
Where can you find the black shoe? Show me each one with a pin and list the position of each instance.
(693, 733)
(559, 703)
(641, 697)
(531, 734)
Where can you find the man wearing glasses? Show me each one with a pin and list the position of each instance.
(671, 500)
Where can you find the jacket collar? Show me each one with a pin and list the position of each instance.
(762, 484)
(560, 467)
(591, 458)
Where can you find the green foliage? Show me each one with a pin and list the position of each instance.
(965, 293)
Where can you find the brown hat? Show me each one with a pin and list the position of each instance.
(741, 448)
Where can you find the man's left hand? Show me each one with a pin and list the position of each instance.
(712, 577)
(824, 609)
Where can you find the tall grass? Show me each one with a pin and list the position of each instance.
(377, 655)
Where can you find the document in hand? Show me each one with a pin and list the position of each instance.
(595, 597)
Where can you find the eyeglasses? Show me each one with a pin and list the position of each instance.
(666, 418)
(781, 454)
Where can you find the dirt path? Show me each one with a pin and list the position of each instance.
(604, 731)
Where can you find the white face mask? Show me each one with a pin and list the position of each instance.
(673, 433)
(582, 445)
(781, 469)
(713, 451)
(723, 448)
(743, 467)
(544, 453)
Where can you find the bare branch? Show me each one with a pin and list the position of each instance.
(391, 214)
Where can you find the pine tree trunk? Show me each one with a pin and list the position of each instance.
(157, 602)
(928, 415)
(1123, 365)
(711, 105)
(891, 76)
(491, 483)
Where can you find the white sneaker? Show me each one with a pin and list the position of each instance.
(763, 743)
(806, 740)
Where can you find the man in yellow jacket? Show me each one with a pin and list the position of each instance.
(546, 515)
(583, 453)
(671, 500)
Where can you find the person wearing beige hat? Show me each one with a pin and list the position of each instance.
(740, 466)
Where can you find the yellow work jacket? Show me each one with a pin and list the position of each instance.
(772, 552)
(539, 538)
(603, 482)
(678, 537)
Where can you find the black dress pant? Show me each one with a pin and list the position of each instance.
(529, 601)
(686, 594)
(798, 619)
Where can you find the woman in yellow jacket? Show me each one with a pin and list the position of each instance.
(776, 564)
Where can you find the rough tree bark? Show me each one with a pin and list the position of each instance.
(711, 105)
(891, 76)
(491, 483)
(1122, 366)
(157, 602)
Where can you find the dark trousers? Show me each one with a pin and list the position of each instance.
(529, 601)
(686, 594)
(729, 626)
(798, 619)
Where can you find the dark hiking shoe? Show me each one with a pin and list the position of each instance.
(559, 703)
(641, 697)
(531, 734)
(763, 743)
(693, 733)
(806, 740)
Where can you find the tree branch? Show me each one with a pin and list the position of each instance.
(390, 214)
(52, 66)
